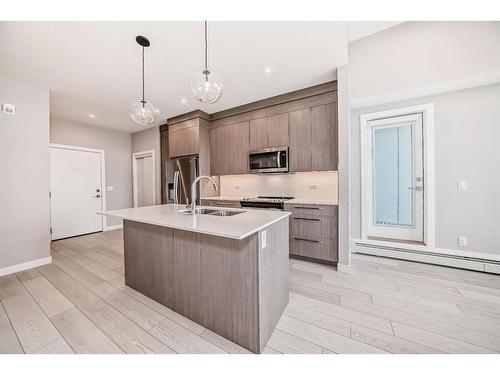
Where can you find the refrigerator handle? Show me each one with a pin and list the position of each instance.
(176, 187)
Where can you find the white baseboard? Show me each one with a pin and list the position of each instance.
(448, 258)
(113, 227)
(25, 266)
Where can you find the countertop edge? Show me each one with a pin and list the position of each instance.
(243, 236)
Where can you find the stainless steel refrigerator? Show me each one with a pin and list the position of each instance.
(185, 170)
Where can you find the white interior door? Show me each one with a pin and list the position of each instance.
(76, 192)
(395, 178)
(144, 178)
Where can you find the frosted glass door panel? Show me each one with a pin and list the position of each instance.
(392, 175)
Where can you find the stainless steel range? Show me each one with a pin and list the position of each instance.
(265, 203)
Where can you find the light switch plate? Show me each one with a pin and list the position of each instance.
(462, 241)
(109, 188)
(462, 185)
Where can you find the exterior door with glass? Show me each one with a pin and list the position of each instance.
(395, 201)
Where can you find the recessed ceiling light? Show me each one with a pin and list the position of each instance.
(183, 101)
(91, 115)
(267, 69)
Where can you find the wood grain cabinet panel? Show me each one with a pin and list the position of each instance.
(239, 147)
(300, 141)
(277, 129)
(220, 138)
(259, 137)
(183, 138)
(324, 137)
(229, 146)
(307, 225)
(321, 249)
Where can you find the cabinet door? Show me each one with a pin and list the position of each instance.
(238, 148)
(300, 141)
(277, 130)
(183, 138)
(324, 137)
(258, 134)
(220, 139)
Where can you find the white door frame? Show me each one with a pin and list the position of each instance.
(102, 155)
(427, 111)
(138, 155)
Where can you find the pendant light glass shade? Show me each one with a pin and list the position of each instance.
(207, 86)
(143, 112)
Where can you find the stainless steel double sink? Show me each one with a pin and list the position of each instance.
(211, 211)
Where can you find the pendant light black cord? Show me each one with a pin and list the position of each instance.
(206, 47)
(143, 101)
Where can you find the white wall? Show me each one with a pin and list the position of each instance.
(417, 59)
(149, 139)
(24, 175)
(298, 185)
(118, 150)
(393, 68)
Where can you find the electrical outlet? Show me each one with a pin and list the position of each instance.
(462, 241)
(462, 185)
(313, 187)
(10, 109)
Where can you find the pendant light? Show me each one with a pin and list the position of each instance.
(206, 85)
(142, 111)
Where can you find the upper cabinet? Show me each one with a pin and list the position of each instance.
(304, 120)
(184, 138)
(229, 147)
(271, 131)
(313, 139)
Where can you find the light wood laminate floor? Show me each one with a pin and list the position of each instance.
(79, 304)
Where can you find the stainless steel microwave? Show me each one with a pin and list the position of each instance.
(269, 160)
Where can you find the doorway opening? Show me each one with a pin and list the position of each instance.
(77, 180)
(397, 175)
(143, 175)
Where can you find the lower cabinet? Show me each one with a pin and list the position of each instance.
(313, 231)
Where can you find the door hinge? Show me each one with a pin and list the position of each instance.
(50, 194)
(50, 230)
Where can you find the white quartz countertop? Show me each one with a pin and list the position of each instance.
(235, 227)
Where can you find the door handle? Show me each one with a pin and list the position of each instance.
(416, 188)
(97, 196)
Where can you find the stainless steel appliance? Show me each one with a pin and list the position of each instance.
(269, 160)
(265, 203)
(186, 170)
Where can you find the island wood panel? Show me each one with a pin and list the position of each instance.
(148, 252)
(211, 280)
(273, 268)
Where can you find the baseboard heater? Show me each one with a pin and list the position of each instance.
(422, 256)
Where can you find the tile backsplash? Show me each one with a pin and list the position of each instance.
(312, 185)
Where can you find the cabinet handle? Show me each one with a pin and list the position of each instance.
(307, 240)
(306, 218)
(307, 208)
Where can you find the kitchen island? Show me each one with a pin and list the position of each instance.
(227, 273)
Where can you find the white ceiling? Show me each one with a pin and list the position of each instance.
(95, 67)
